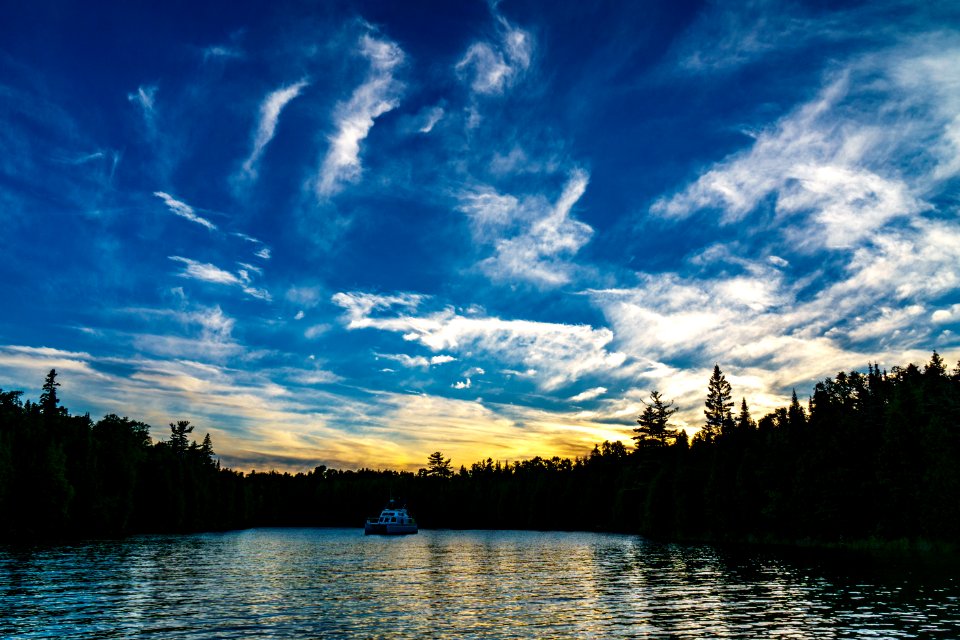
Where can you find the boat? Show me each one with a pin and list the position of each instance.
(393, 521)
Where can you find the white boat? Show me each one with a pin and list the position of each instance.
(393, 521)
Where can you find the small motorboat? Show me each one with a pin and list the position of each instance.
(393, 521)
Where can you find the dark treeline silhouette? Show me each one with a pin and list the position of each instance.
(873, 455)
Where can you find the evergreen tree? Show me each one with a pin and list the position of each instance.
(655, 428)
(178, 436)
(718, 406)
(796, 417)
(936, 367)
(206, 449)
(438, 467)
(49, 403)
(744, 421)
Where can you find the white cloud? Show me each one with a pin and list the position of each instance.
(263, 253)
(462, 384)
(145, 97)
(489, 211)
(532, 238)
(306, 296)
(589, 394)
(315, 331)
(206, 272)
(429, 118)
(944, 316)
(221, 52)
(245, 236)
(559, 353)
(727, 36)
(491, 68)
(377, 95)
(183, 210)
(249, 267)
(887, 324)
(299, 315)
(270, 110)
(191, 332)
(211, 273)
(773, 333)
(516, 161)
(871, 148)
(417, 361)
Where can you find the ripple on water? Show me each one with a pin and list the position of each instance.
(336, 583)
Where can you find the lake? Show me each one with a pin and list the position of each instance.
(336, 583)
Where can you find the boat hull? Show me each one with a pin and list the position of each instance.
(388, 529)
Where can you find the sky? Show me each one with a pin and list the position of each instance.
(354, 233)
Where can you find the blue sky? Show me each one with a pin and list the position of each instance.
(355, 233)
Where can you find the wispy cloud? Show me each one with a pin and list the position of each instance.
(207, 272)
(270, 110)
(849, 162)
(305, 296)
(492, 67)
(421, 362)
(220, 52)
(183, 210)
(315, 331)
(532, 238)
(775, 332)
(263, 252)
(589, 394)
(353, 119)
(560, 353)
(429, 118)
(194, 332)
(145, 98)
(728, 36)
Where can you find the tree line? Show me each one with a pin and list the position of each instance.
(870, 455)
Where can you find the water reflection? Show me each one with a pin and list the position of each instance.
(337, 583)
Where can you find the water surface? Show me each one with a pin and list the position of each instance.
(336, 583)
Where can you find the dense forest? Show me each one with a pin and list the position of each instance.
(873, 455)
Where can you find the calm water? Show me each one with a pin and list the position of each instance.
(336, 583)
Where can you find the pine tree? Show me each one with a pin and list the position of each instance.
(936, 367)
(655, 428)
(206, 449)
(48, 399)
(718, 406)
(178, 436)
(438, 467)
(796, 417)
(744, 421)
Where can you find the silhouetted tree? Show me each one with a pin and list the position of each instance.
(877, 457)
(49, 403)
(179, 441)
(796, 417)
(718, 406)
(438, 467)
(206, 449)
(936, 366)
(744, 421)
(655, 428)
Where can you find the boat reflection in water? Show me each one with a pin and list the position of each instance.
(393, 521)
